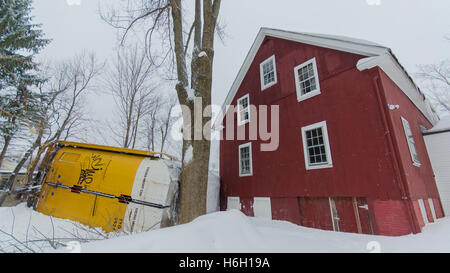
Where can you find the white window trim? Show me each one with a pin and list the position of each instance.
(249, 144)
(233, 198)
(261, 73)
(415, 163)
(263, 199)
(313, 93)
(239, 110)
(323, 125)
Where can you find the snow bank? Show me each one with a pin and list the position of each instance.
(212, 197)
(232, 231)
(217, 232)
(226, 231)
(25, 230)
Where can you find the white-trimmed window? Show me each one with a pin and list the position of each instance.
(268, 71)
(262, 207)
(316, 146)
(233, 203)
(245, 159)
(411, 143)
(243, 110)
(307, 80)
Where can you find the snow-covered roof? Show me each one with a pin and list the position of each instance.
(330, 37)
(378, 55)
(442, 126)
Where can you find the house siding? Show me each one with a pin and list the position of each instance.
(438, 146)
(369, 162)
(420, 179)
(347, 103)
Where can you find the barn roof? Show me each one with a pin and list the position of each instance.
(442, 126)
(376, 55)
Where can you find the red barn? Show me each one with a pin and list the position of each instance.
(350, 157)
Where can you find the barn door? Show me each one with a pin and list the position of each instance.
(362, 215)
(350, 214)
(334, 214)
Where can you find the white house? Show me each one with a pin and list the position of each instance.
(437, 141)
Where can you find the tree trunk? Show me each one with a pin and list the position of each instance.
(193, 189)
(35, 162)
(194, 179)
(5, 148)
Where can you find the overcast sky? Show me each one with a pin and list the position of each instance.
(413, 29)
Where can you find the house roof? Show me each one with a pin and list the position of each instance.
(441, 127)
(377, 55)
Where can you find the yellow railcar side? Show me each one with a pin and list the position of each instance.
(112, 172)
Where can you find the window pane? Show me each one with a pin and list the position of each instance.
(410, 140)
(316, 147)
(307, 79)
(245, 160)
(268, 72)
(243, 109)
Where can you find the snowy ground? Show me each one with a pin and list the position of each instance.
(229, 231)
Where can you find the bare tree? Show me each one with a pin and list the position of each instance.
(158, 123)
(59, 110)
(151, 125)
(167, 19)
(436, 79)
(166, 123)
(131, 82)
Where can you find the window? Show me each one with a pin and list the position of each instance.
(243, 110)
(233, 203)
(262, 207)
(268, 73)
(307, 80)
(411, 143)
(245, 159)
(316, 146)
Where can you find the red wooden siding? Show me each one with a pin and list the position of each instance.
(286, 209)
(420, 180)
(371, 161)
(247, 206)
(428, 211)
(347, 215)
(418, 213)
(315, 212)
(364, 216)
(349, 106)
(391, 218)
(438, 208)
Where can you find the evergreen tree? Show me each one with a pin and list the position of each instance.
(20, 41)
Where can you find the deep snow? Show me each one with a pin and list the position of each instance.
(228, 231)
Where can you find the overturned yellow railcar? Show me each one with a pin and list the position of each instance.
(108, 187)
